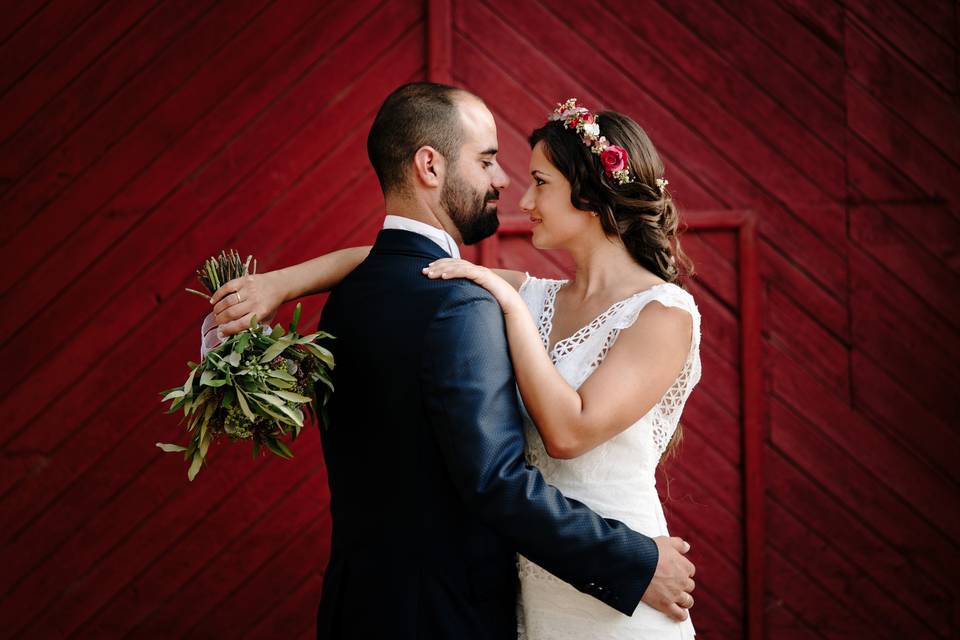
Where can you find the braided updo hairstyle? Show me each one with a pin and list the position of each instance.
(639, 213)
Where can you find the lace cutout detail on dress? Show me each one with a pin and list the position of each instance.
(565, 346)
(545, 321)
(665, 416)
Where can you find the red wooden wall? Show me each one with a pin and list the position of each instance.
(138, 137)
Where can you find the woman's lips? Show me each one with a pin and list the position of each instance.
(535, 220)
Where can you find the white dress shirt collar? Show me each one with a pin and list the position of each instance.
(441, 237)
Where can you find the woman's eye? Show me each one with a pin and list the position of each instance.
(538, 181)
(486, 164)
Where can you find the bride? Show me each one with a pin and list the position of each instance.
(604, 361)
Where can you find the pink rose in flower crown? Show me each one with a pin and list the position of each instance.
(614, 158)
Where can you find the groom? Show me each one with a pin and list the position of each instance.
(430, 494)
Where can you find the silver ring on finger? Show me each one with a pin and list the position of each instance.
(237, 293)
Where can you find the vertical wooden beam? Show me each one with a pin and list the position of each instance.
(751, 402)
(439, 41)
(751, 385)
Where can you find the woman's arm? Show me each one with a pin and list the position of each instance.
(635, 374)
(514, 278)
(262, 294)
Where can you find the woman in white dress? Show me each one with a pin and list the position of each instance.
(604, 361)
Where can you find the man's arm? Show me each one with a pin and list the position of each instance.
(471, 398)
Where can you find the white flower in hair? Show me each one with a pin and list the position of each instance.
(592, 129)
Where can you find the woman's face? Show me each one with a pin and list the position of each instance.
(556, 222)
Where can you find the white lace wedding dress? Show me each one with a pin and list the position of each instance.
(616, 479)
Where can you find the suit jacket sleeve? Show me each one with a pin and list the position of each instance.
(471, 399)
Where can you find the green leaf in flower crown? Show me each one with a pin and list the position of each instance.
(171, 448)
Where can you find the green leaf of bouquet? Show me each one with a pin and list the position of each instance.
(277, 383)
(171, 448)
(243, 342)
(291, 396)
(296, 318)
(253, 322)
(272, 399)
(194, 466)
(244, 406)
(278, 331)
(325, 356)
(283, 375)
(234, 358)
(278, 448)
(172, 395)
(284, 448)
(294, 415)
(187, 386)
(274, 350)
(325, 381)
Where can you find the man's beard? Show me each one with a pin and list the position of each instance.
(469, 209)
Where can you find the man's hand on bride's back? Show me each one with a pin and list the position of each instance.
(672, 584)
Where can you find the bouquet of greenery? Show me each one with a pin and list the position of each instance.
(257, 385)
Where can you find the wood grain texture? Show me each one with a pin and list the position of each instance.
(138, 137)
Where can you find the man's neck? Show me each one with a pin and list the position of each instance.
(412, 208)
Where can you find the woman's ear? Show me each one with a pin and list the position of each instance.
(429, 167)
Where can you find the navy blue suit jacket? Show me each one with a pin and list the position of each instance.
(430, 494)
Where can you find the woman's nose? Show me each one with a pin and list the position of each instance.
(526, 202)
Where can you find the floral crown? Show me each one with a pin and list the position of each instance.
(614, 158)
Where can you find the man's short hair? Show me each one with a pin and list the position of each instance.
(415, 115)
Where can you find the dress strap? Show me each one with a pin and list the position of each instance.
(667, 294)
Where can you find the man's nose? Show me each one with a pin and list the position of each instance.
(501, 180)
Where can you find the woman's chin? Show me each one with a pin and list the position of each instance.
(538, 237)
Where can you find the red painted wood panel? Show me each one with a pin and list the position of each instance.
(138, 137)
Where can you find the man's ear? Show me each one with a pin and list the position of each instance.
(429, 166)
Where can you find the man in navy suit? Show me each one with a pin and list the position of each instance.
(431, 497)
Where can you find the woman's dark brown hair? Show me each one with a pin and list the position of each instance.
(641, 214)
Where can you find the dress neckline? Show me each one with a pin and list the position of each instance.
(581, 334)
